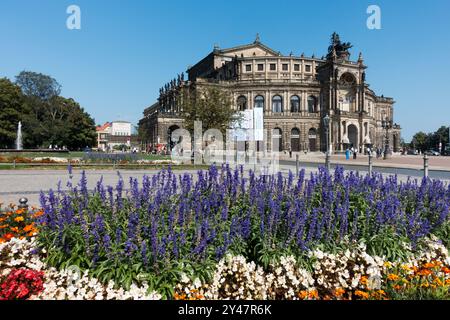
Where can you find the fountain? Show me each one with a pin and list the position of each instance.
(19, 137)
(19, 145)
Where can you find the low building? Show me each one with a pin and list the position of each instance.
(116, 133)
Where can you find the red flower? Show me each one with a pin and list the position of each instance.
(21, 284)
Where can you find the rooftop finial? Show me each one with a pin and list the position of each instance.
(257, 39)
(216, 47)
(360, 58)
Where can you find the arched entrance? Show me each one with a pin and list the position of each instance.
(277, 140)
(312, 136)
(295, 140)
(170, 131)
(353, 136)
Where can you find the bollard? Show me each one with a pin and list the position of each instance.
(370, 164)
(14, 164)
(297, 165)
(425, 166)
(23, 204)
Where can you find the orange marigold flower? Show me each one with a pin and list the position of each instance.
(429, 265)
(28, 228)
(447, 282)
(362, 294)
(339, 292)
(363, 280)
(445, 270)
(2, 240)
(19, 219)
(424, 272)
(4, 226)
(14, 229)
(381, 292)
(313, 294)
(38, 214)
(303, 294)
(393, 277)
(398, 287)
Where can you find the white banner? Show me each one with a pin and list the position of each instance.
(251, 126)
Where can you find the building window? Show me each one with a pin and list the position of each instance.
(242, 103)
(307, 68)
(259, 102)
(285, 67)
(277, 104)
(260, 67)
(248, 67)
(273, 67)
(312, 104)
(295, 104)
(296, 67)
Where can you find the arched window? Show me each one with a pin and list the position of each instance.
(277, 139)
(259, 102)
(242, 103)
(312, 104)
(277, 104)
(295, 104)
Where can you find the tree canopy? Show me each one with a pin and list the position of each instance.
(430, 141)
(211, 106)
(47, 118)
(11, 109)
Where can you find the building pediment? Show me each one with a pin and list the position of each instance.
(254, 49)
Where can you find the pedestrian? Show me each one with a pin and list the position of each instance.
(355, 150)
(347, 154)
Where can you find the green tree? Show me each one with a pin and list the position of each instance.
(440, 136)
(38, 85)
(212, 106)
(419, 141)
(11, 112)
(52, 119)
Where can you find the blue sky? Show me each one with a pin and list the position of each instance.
(126, 50)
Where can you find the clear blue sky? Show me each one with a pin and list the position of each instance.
(126, 50)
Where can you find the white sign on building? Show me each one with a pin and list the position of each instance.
(251, 126)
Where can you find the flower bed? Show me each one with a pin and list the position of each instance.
(224, 234)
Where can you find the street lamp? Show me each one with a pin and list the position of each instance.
(326, 123)
(169, 142)
(386, 125)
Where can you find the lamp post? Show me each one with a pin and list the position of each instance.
(386, 125)
(326, 123)
(169, 142)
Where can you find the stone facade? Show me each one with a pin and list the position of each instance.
(296, 93)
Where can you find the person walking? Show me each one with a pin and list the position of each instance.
(355, 150)
(347, 154)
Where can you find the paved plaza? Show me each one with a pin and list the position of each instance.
(17, 183)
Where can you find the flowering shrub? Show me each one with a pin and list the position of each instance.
(344, 275)
(21, 284)
(66, 284)
(17, 223)
(170, 223)
(235, 278)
